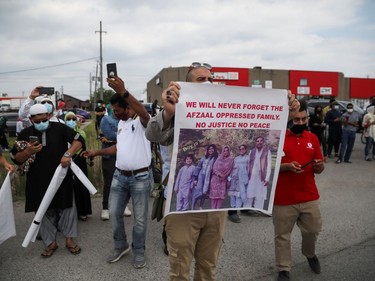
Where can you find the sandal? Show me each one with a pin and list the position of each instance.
(48, 252)
(83, 218)
(75, 250)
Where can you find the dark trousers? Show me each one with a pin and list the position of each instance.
(108, 168)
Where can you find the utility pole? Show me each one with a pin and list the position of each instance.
(90, 81)
(101, 60)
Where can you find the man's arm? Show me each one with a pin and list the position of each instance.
(105, 151)
(118, 85)
(24, 110)
(161, 128)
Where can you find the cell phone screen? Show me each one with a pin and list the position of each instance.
(306, 164)
(111, 70)
(49, 91)
(33, 139)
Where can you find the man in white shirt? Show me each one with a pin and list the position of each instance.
(132, 177)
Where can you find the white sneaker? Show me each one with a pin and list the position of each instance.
(105, 215)
(127, 212)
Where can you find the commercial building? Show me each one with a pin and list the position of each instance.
(304, 83)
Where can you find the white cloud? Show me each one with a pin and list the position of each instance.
(145, 36)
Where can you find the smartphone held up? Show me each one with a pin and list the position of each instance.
(111, 70)
(49, 91)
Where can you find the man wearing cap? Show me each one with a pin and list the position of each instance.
(24, 110)
(39, 150)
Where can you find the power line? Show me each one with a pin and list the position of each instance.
(45, 67)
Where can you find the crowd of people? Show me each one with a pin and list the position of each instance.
(128, 134)
(336, 131)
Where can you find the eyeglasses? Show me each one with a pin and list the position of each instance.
(38, 122)
(68, 119)
(198, 64)
(43, 102)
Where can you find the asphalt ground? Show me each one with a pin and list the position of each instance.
(346, 245)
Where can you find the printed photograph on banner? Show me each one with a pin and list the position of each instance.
(227, 148)
(224, 168)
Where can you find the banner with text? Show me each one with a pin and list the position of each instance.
(227, 148)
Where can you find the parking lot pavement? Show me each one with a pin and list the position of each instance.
(346, 245)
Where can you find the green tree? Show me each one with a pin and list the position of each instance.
(107, 94)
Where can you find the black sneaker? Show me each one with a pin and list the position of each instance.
(314, 264)
(234, 218)
(348, 161)
(283, 276)
(338, 161)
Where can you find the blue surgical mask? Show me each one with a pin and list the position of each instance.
(49, 107)
(42, 126)
(71, 123)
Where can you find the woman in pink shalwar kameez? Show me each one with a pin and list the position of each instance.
(219, 180)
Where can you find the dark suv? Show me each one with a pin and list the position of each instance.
(12, 118)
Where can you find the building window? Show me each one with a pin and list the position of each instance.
(303, 82)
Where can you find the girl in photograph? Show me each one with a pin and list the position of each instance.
(184, 184)
(202, 176)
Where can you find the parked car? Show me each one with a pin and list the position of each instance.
(12, 118)
(312, 103)
(148, 106)
(80, 111)
(81, 118)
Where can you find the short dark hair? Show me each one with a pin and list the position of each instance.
(302, 105)
(349, 104)
(117, 98)
(191, 156)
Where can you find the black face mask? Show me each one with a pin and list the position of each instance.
(298, 129)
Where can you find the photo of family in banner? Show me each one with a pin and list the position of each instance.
(224, 168)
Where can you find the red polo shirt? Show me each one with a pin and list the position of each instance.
(295, 188)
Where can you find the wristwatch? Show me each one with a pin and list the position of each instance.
(126, 94)
(67, 154)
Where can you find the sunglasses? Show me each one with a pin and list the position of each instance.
(43, 102)
(38, 122)
(198, 64)
(68, 119)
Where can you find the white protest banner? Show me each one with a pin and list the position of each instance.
(227, 148)
(7, 224)
(54, 185)
(82, 177)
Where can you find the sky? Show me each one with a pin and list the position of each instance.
(54, 43)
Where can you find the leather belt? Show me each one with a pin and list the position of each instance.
(134, 172)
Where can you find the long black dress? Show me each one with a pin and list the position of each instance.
(41, 171)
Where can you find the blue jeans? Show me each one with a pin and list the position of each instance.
(347, 143)
(137, 187)
(369, 143)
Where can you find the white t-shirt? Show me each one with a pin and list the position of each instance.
(133, 149)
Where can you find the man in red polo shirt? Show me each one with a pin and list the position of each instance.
(297, 197)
